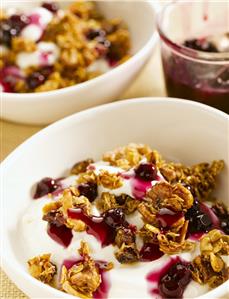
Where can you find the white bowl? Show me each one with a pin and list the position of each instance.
(46, 107)
(180, 129)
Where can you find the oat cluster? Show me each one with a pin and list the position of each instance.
(83, 278)
(179, 194)
(209, 267)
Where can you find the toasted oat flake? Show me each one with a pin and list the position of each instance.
(41, 268)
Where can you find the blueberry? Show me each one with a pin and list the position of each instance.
(89, 190)
(45, 186)
(146, 172)
(114, 218)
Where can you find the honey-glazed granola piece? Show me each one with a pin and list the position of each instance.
(170, 242)
(109, 201)
(41, 268)
(202, 179)
(119, 44)
(83, 278)
(106, 202)
(148, 212)
(127, 203)
(109, 180)
(175, 197)
(128, 156)
(87, 177)
(215, 242)
(127, 253)
(124, 235)
(149, 233)
(20, 44)
(174, 172)
(85, 10)
(209, 269)
(81, 166)
(56, 212)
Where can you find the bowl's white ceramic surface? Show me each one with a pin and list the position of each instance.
(46, 107)
(181, 130)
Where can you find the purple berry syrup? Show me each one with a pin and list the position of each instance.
(141, 179)
(60, 234)
(95, 226)
(150, 252)
(171, 280)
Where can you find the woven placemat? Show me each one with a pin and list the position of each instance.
(8, 289)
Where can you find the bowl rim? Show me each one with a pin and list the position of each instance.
(14, 266)
(151, 40)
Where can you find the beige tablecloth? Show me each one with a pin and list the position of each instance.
(148, 83)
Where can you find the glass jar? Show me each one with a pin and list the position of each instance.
(190, 73)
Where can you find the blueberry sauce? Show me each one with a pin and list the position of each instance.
(46, 186)
(201, 219)
(150, 252)
(60, 234)
(171, 280)
(96, 226)
(35, 19)
(167, 218)
(89, 190)
(140, 186)
(103, 290)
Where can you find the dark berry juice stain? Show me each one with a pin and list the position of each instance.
(167, 218)
(103, 290)
(46, 186)
(103, 227)
(201, 219)
(171, 280)
(60, 234)
(150, 252)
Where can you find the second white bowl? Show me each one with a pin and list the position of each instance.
(46, 107)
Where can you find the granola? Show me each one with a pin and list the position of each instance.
(41, 268)
(50, 48)
(83, 278)
(141, 206)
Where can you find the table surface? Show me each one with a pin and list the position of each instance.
(148, 83)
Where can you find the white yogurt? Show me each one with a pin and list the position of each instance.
(47, 53)
(32, 32)
(36, 241)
